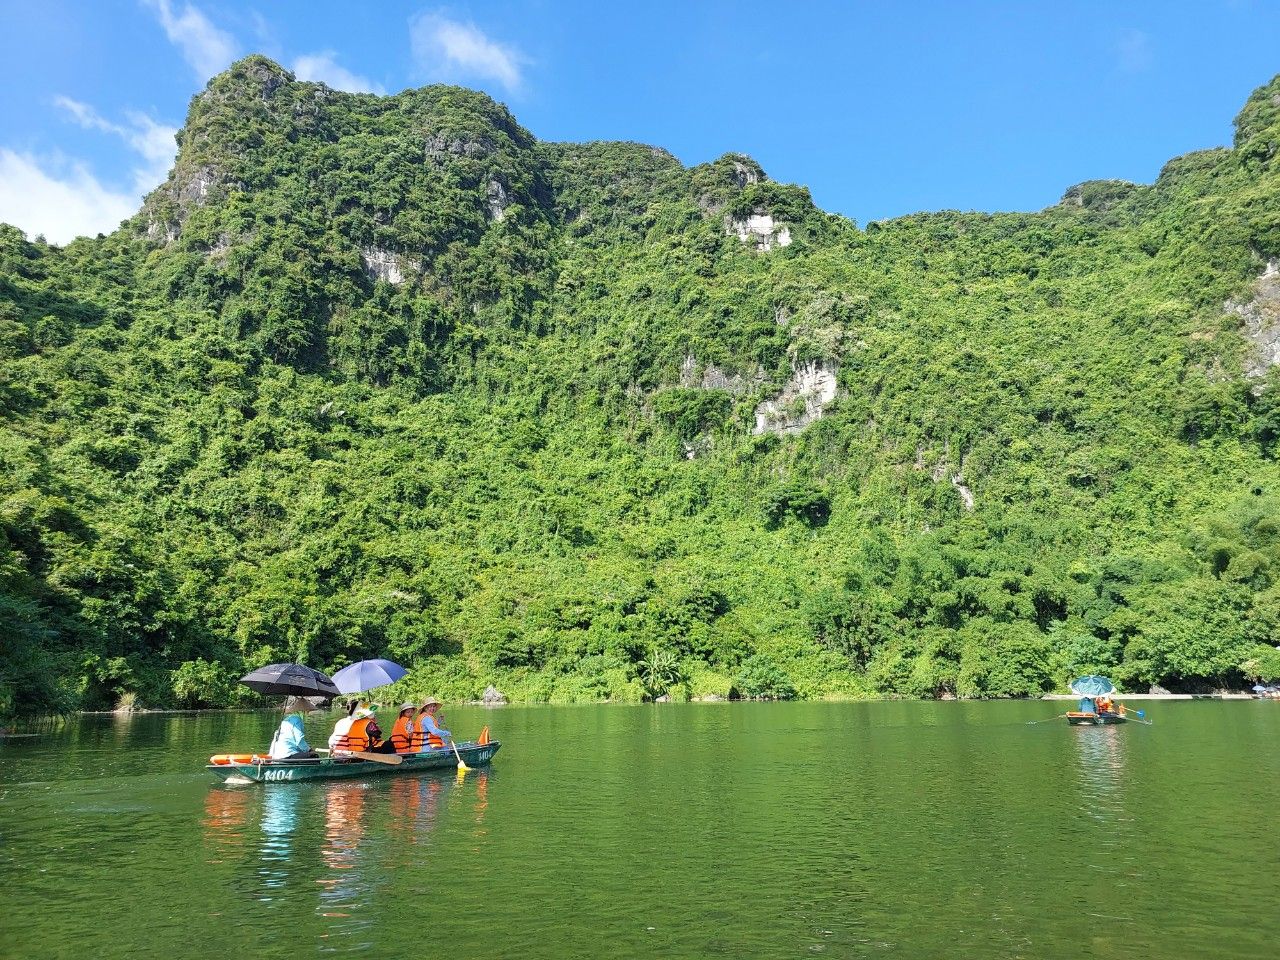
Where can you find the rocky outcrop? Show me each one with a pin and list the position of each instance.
(493, 697)
(745, 171)
(711, 377)
(173, 201)
(382, 264)
(440, 144)
(496, 198)
(803, 399)
(942, 470)
(759, 230)
(1260, 313)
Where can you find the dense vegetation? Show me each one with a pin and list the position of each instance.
(226, 440)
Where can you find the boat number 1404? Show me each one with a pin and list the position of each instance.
(277, 774)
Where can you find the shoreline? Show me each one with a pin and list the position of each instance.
(1159, 696)
(1230, 695)
(1059, 697)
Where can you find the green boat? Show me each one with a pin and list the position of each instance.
(262, 770)
(1079, 718)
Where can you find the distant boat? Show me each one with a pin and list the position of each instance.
(1097, 709)
(1098, 718)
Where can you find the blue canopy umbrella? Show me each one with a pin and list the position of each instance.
(1090, 686)
(1259, 688)
(366, 675)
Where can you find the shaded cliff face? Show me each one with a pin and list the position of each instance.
(387, 375)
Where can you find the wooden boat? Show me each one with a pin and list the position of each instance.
(262, 770)
(1078, 718)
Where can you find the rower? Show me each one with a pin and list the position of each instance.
(430, 735)
(290, 741)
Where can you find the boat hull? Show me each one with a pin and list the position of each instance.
(1095, 719)
(295, 771)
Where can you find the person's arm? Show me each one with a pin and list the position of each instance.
(429, 723)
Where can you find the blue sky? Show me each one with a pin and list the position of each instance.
(882, 109)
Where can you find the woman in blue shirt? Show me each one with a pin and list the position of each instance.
(431, 736)
(290, 741)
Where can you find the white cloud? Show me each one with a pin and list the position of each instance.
(153, 142)
(324, 68)
(442, 46)
(1133, 50)
(205, 47)
(64, 204)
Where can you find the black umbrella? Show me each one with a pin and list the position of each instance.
(290, 679)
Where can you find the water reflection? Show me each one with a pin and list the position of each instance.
(414, 806)
(279, 822)
(225, 814)
(1104, 798)
(1100, 755)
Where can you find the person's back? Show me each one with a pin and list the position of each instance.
(341, 731)
(290, 740)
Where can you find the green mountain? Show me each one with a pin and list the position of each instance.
(389, 376)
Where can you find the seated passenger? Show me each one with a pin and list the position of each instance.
(430, 735)
(357, 733)
(1086, 705)
(290, 742)
(402, 732)
(343, 726)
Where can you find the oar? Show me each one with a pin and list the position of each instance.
(462, 767)
(1046, 719)
(387, 758)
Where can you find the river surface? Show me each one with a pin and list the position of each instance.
(704, 830)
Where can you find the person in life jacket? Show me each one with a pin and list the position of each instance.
(429, 735)
(402, 733)
(358, 733)
(343, 726)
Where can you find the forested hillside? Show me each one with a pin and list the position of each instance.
(388, 376)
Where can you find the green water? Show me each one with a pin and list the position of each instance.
(706, 830)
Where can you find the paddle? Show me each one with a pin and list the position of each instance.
(462, 767)
(1046, 719)
(387, 758)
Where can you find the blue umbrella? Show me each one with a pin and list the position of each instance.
(366, 675)
(1090, 686)
(1259, 688)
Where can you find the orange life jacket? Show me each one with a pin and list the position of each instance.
(424, 740)
(357, 738)
(402, 735)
